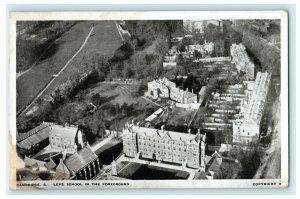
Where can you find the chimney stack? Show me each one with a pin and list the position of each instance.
(64, 155)
(162, 127)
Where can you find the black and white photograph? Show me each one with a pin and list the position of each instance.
(149, 100)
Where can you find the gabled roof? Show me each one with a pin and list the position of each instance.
(80, 159)
(68, 132)
(200, 175)
(35, 136)
(44, 126)
(62, 168)
(151, 132)
(33, 162)
(214, 162)
(50, 165)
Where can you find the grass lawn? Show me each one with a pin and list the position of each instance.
(179, 117)
(105, 40)
(120, 93)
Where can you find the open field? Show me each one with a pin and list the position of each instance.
(120, 93)
(104, 40)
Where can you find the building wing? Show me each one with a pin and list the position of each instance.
(80, 159)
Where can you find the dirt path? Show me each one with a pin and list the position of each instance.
(57, 75)
(38, 59)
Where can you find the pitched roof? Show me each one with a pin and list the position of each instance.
(33, 131)
(80, 159)
(62, 168)
(34, 136)
(50, 165)
(68, 132)
(150, 132)
(200, 175)
(214, 162)
(33, 162)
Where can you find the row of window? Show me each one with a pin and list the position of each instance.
(142, 141)
(169, 148)
(60, 138)
(179, 158)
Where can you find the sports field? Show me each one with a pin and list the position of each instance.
(104, 39)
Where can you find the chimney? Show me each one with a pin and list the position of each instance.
(64, 155)
(189, 131)
(162, 127)
(199, 131)
(192, 90)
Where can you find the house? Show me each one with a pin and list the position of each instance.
(163, 88)
(67, 139)
(246, 127)
(169, 65)
(241, 60)
(197, 26)
(183, 97)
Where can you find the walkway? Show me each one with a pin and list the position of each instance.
(145, 98)
(58, 74)
(98, 145)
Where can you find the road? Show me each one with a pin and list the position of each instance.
(98, 145)
(57, 75)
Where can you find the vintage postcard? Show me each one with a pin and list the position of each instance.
(172, 99)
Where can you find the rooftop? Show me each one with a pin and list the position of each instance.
(160, 133)
(80, 159)
(68, 132)
(34, 136)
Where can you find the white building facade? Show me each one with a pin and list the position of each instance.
(247, 127)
